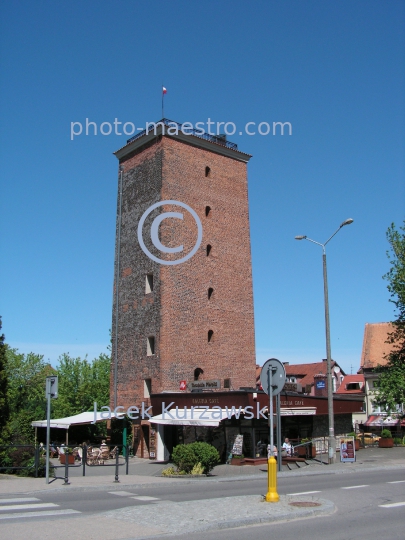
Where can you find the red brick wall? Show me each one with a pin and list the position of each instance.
(178, 312)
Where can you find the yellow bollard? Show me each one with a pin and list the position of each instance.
(272, 495)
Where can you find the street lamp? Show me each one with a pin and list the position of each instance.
(332, 441)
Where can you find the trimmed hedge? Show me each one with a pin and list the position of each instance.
(187, 456)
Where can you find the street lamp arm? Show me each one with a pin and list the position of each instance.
(346, 222)
(318, 243)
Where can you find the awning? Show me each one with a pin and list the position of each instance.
(82, 418)
(377, 420)
(297, 411)
(195, 417)
(294, 411)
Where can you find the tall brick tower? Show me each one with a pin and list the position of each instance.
(192, 320)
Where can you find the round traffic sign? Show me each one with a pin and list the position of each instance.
(278, 376)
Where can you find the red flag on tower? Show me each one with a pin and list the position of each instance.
(164, 90)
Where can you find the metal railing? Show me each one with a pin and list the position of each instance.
(11, 461)
(218, 139)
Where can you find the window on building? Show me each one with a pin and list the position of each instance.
(147, 388)
(209, 247)
(148, 283)
(207, 171)
(197, 372)
(207, 210)
(210, 335)
(150, 346)
(353, 386)
(227, 383)
(210, 291)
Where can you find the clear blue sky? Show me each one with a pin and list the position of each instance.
(334, 70)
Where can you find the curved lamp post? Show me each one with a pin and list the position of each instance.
(332, 440)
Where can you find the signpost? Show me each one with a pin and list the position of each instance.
(51, 392)
(272, 378)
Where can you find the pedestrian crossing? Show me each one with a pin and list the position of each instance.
(28, 507)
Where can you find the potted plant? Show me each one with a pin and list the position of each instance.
(238, 459)
(386, 440)
(356, 440)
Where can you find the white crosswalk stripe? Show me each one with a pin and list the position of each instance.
(47, 513)
(28, 507)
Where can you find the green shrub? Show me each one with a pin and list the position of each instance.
(197, 469)
(386, 434)
(186, 456)
(183, 457)
(397, 440)
(168, 472)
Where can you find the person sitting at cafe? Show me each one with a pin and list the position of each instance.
(287, 446)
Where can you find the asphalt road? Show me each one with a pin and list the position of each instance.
(369, 504)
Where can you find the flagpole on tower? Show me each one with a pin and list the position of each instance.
(163, 95)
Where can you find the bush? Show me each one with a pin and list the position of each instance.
(187, 456)
(386, 434)
(197, 469)
(168, 472)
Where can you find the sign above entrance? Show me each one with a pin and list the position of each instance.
(278, 376)
(292, 387)
(204, 385)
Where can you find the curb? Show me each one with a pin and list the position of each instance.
(240, 511)
(136, 483)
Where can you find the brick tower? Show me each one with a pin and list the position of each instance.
(192, 320)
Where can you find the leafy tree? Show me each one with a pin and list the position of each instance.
(81, 383)
(391, 380)
(4, 408)
(26, 375)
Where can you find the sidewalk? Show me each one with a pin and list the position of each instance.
(162, 518)
(145, 472)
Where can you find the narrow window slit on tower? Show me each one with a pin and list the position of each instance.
(210, 291)
(207, 171)
(148, 283)
(210, 335)
(207, 210)
(209, 247)
(150, 346)
(147, 388)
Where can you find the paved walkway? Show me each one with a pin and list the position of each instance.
(165, 518)
(144, 472)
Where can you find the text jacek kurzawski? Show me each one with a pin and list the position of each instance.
(202, 412)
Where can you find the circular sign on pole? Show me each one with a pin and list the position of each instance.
(278, 376)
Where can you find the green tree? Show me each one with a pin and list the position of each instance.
(26, 375)
(391, 380)
(4, 407)
(81, 383)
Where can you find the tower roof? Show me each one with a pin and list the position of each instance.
(185, 133)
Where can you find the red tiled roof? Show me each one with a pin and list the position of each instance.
(374, 345)
(305, 372)
(349, 379)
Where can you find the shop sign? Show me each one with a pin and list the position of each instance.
(183, 385)
(292, 387)
(204, 385)
(320, 384)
